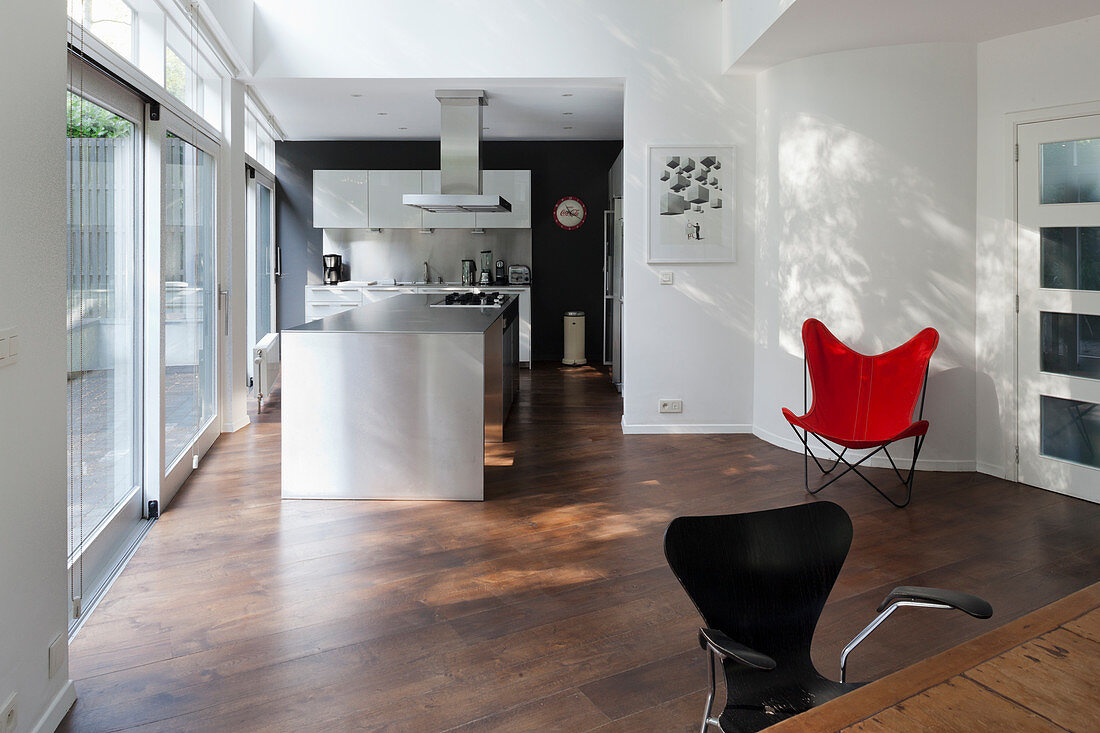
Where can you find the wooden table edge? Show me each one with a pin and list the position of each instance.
(892, 689)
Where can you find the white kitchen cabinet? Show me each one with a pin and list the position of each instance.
(339, 199)
(384, 192)
(515, 187)
(375, 294)
(430, 183)
(323, 301)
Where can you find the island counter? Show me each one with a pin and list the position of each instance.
(396, 399)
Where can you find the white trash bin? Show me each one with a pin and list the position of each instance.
(574, 338)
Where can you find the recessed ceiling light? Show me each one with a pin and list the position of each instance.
(567, 94)
(567, 113)
(567, 127)
(357, 95)
(383, 114)
(402, 128)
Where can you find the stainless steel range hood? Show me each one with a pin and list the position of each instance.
(459, 159)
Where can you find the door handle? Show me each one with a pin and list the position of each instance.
(223, 296)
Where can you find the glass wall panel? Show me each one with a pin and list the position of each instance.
(111, 21)
(190, 290)
(103, 246)
(1070, 172)
(1070, 258)
(264, 261)
(1070, 430)
(1070, 344)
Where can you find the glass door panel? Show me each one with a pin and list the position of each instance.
(189, 272)
(261, 261)
(104, 326)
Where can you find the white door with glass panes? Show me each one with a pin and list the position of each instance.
(1058, 216)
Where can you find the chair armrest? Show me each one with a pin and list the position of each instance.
(965, 602)
(911, 595)
(727, 647)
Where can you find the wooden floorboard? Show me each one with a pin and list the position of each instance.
(547, 607)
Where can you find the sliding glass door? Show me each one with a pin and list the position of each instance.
(261, 260)
(189, 290)
(104, 323)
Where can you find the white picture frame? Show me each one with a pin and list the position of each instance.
(691, 199)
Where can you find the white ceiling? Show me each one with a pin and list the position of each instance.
(811, 27)
(518, 109)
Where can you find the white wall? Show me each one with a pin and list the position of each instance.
(1049, 67)
(234, 19)
(32, 391)
(744, 21)
(865, 205)
(691, 341)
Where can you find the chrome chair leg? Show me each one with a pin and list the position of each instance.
(707, 720)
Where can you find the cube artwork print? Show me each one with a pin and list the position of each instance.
(691, 203)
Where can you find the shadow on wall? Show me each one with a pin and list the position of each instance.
(867, 245)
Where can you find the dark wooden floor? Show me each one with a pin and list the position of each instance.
(547, 607)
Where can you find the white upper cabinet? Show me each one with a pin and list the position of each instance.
(515, 187)
(384, 192)
(339, 199)
(462, 220)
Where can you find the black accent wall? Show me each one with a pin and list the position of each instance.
(566, 266)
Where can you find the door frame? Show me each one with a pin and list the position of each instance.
(1010, 365)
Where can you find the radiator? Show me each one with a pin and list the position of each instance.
(265, 362)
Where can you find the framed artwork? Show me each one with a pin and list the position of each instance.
(691, 203)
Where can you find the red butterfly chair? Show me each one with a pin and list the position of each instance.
(862, 402)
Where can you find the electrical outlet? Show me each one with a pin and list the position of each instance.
(670, 406)
(59, 652)
(666, 278)
(195, 461)
(9, 716)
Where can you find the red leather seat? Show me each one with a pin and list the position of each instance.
(862, 401)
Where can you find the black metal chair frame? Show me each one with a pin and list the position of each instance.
(807, 453)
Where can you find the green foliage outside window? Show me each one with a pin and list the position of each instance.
(87, 119)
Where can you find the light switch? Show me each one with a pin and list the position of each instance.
(666, 278)
(9, 346)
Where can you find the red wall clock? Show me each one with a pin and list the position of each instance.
(570, 213)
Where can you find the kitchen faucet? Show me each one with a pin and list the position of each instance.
(427, 274)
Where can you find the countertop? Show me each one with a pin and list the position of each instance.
(456, 286)
(407, 313)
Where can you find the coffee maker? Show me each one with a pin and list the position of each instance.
(502, 276)
(469, 272)
(333, 265)
(486, 267)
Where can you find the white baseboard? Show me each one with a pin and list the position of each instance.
(685, 428)
(59, 706)
(923, 464)
(232, 427)
(992, 469)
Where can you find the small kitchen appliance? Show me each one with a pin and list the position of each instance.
(469, 273)
(333, 265)
(519, 275)
(486, 267)
(502, 276)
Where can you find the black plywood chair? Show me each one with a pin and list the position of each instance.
(760, 581)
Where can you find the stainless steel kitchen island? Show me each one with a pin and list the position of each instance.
(396, 399)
